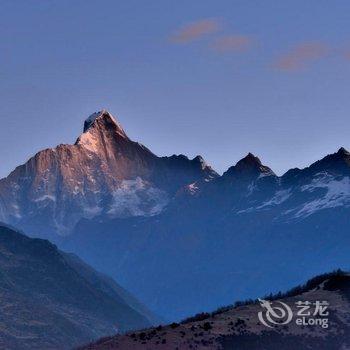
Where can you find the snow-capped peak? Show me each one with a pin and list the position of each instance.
(98, 128)
(106, 119)
(343, 151)
(91, 119)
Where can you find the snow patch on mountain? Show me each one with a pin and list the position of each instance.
(91, 119)
(90, 212)
(337, 193)
(251, 188)
(16, 212)
(193, 188)
(279, 197)
(265, 173)
(106, 118)
(137, 198)
(45, 197)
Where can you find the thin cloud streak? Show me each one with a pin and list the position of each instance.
(196, 30)
(233, 43)
(299, 57)
(346, 54)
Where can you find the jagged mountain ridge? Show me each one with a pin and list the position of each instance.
(250, 186)
(103, 173)
(106, 174)
(165, 224)
(53, 300)
(248, 222)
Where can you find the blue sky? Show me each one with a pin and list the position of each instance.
(216, 78)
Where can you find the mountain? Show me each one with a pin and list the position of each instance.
(249, 224)
(103, 173)
(239, 327)
(53, 300)
(171, 230)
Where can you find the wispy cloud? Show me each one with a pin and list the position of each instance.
(301, 56)
(234, 43)
(196, 30)
(346, 54)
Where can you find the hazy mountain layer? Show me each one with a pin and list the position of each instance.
(52, 300)
(264, 232)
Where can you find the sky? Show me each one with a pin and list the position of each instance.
(215, 78)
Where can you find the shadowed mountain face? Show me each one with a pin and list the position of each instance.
(241, 328)
(262, 231)
(52, 300)
(171, 230)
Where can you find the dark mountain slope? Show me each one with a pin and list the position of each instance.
(248, 224)
(240, 328)
(51, 300)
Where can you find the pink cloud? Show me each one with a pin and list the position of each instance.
(196, 30)
(346, 54)
(232, 43)
(301, 55)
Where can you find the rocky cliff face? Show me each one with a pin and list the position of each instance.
(103, 173)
